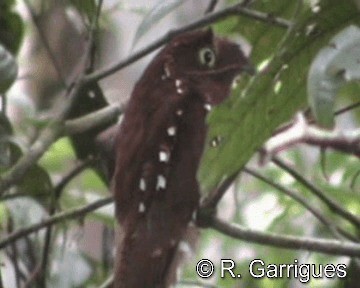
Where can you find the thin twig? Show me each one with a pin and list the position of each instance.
(211, 6)
(8, 197)
(302, 132)
(332, 205)
(347, 109)
(13, 256)
(46, 138)
(211, 201)
(80, 167)
(206, 20)
(335, 229)
(331, 247)
(32, 277)
(71, 214)
(57, 194)
(311, 120)
(108, 282)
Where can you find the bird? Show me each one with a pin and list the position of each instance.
(158, 148)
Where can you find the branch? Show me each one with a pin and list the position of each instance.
(312, 120)
(75, 171)
(234, 10)
(211, 6)
(211, 201)
(301, 132)
(48, 233)
(332, 205)
(332, 247)
(109, 282)
(46, 138)
(8, 197)
(50, 133)
(347, 108)
(71, 214)
(335, 229)
(93, 120)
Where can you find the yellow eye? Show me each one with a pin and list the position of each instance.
(207, 57)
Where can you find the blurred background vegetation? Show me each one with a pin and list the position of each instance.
(42, 46)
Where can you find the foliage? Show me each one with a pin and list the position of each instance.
(11, 26)
(271, 98)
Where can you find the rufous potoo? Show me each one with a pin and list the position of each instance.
(158, 148)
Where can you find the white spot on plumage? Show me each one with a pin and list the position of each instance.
(179, 88)
(164, 156)
(171, 131)
(142, 207)
(142, 184)
(161, 182)
(179, 112)
(180, 91)
(178, 83)
(215, 142)
(167, 71)
(207, 107)
(156, 253)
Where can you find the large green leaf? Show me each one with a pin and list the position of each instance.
(250, 116)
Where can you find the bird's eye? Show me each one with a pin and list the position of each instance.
(207, 57)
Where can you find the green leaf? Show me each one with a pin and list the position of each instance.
(6, 4)
(251, 115)
(161, 9)
(8, 69)
(333, 66)
(11, 27)
(36, 183)
(5, 125)
(59, 155)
